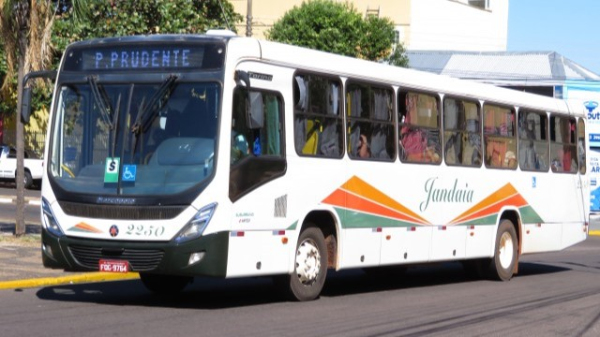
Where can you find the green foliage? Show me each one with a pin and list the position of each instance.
(338, 28)
(7, 103)
(141, 17)
(322, 25)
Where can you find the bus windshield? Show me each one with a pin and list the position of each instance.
(134, 138)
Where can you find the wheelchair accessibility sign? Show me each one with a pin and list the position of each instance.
(129, 172)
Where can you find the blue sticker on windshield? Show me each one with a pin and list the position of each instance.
(129, 172)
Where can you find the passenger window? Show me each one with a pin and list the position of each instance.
(318, 122)
(533, 141)
(563, 149)
(581, 146)
(462, 133)
(370, 125)
(419, 128)
(499, 137)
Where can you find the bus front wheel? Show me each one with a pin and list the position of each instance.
(164, 284)
(505, 253)
(310, 266)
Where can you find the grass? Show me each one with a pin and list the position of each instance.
(29, 240)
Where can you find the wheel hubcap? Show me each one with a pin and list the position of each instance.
(506, 250)
(308, 262)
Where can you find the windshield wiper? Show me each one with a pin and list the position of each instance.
(103, 102)
(148, 113)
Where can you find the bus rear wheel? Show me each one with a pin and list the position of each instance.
(310, 266)
(502, 265)
(164, 284)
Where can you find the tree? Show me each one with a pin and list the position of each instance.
(25, 35)
(124, 17)
(338, 28)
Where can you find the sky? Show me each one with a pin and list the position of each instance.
(568, 27)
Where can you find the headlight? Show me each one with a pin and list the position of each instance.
(49, 219)
(197, 225)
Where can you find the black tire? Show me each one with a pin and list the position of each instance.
(502, 265)
(27, 180)
(164, 284)
(311, 255)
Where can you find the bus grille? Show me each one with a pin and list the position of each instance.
(121, 212)
(139, 259)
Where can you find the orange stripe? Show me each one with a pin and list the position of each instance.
(360, 187)
(89, 228)
(347, 200)
(515, 200)
(503, 193)
(368, 206)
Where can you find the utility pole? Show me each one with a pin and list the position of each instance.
(249, 19)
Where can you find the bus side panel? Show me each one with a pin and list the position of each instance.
(361, 248)
(541, 237)
(448, 242)
(257, 253)
(480, 241)
(406, 245)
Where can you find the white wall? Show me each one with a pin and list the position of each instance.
(454, 25)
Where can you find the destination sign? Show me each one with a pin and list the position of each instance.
(147, 57)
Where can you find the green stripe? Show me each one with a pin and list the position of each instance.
(354, 219)
(293, 226)
(528, 215)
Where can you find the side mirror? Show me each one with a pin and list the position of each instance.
(26, 94)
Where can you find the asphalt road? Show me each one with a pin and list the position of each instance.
(555, 294)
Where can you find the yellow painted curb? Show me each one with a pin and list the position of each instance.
(595, 233)
(78, 278)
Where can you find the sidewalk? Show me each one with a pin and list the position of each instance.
(21, 261)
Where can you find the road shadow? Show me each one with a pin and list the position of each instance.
(209, 294)
(9, 228)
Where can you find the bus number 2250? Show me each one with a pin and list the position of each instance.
(145, 230)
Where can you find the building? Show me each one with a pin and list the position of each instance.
(480, 25)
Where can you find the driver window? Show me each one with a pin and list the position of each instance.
(257, 149)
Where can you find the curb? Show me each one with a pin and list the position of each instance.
(13, 200)
(74, 279)
(594, 233)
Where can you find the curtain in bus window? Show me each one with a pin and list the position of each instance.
(472, 146)
(302, 100)
(333, 95)
(453, 137)
(382, 105)
(273, 131)
(581, 146)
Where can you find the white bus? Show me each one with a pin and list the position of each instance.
(179, 156)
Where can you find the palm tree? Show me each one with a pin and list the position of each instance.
(25, 30)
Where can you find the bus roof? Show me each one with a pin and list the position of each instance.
(296, 57)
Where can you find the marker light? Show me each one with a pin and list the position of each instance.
(197, 225)
(49, 219)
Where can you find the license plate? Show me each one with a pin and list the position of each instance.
(114, 266)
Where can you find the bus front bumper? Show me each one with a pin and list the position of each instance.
(78, 254)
